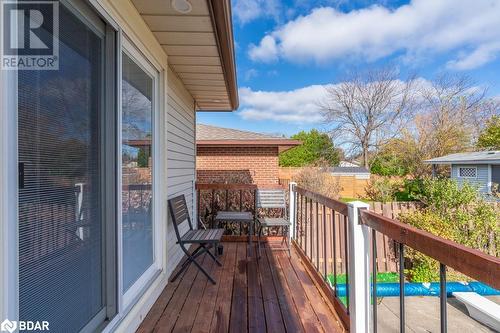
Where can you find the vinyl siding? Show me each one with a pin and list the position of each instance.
(181, 152)
(481, 180)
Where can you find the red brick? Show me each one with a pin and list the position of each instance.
(257, 165)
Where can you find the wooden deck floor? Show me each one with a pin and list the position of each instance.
(272, 294)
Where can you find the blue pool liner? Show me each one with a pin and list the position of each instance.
(427, 289)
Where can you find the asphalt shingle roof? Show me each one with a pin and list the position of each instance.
(349, 170)
(472, 157)
(208, 132)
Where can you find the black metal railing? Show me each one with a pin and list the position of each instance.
(472, 263)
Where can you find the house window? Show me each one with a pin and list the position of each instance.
(467, 172)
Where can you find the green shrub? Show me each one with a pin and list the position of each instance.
(455, 212)
(382, 189)
(412, 188)
(388, 164)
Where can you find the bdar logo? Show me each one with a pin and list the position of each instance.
(8, 326)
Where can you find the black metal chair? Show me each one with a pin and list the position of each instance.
(209, 237)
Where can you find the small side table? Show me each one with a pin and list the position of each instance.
(240, 217)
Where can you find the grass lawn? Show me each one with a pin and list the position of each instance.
(381, 277)
(384, 277)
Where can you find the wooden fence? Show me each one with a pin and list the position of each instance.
(350, 186)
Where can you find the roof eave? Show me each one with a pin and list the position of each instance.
(463, 162)
(266, 142)
(220, 12)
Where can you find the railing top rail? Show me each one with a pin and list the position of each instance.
(336, 205)
(473, 263)
(235, 186)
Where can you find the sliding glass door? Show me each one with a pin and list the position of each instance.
(139, 80)
(88, 244)
(62, 164)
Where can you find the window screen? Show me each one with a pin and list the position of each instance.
(467, 172)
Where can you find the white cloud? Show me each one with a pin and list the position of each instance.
(421, 27)
(250, 74)
(293, 106)
(480, 56)
(266, 51)
(248, 10)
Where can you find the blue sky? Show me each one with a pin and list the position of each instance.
(286, 51)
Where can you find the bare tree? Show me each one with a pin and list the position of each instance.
(452, 110)
(368, 108)
(452, 102)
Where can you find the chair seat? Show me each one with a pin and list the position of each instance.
(203, 236)
(273, 222)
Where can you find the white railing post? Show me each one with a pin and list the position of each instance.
(359, 270)
(292, 209)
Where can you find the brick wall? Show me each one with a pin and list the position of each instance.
(253, 165)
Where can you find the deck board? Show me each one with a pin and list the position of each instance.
(220, 320)
(207, 304)
(274, 318)
(174, 307)
(256, 315)
(304, 307)
(239, 302)
(321, 309)
(186, 319)
(270, 294)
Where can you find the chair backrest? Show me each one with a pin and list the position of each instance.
(179, 213)
(271, 199)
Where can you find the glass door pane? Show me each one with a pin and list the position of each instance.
(60, 203)
(137, 176)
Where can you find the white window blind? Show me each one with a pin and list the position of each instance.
(60, 150)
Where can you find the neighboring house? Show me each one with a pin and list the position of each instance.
(86, 242)
(348, 164)
(480, 168)
(227, 155)
(350, 171)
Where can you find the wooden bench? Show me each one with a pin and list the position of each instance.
(481, 309)
(204, 238)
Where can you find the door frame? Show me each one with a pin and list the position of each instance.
(9, 182)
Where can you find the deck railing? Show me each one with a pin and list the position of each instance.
(324, 228)
(472, 263)
(321, 237)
